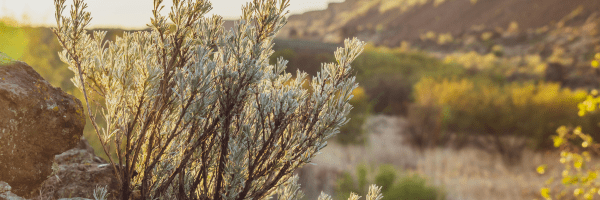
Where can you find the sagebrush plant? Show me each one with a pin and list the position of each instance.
(100, 193)
(196, 111)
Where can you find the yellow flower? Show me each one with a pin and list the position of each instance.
(541, 169)
(359, 93)
(545, 193)
(577, 192)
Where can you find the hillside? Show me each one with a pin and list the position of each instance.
(561, 36)
(389, 22)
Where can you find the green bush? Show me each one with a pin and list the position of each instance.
(413, 188)
(345, 185)
(395, 186)
(385, 176)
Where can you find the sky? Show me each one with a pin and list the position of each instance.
(131, 14)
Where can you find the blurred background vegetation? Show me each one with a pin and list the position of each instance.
(396, 184)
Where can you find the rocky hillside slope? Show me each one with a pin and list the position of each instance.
(389, 22)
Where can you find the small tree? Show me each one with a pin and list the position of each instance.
(196, 111)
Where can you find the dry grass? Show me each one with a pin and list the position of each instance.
(468, 173)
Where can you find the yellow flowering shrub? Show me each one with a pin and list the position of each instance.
(579, 176)
(596, 62)
(479, 106)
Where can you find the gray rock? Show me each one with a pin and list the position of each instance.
(5, 193)
(80, 171)
(4, 187)
(37, 122)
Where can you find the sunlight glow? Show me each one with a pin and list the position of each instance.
(130, 13)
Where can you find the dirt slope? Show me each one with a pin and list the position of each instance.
(375, 21)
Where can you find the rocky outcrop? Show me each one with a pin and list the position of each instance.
(37, 122)
(79, 173)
